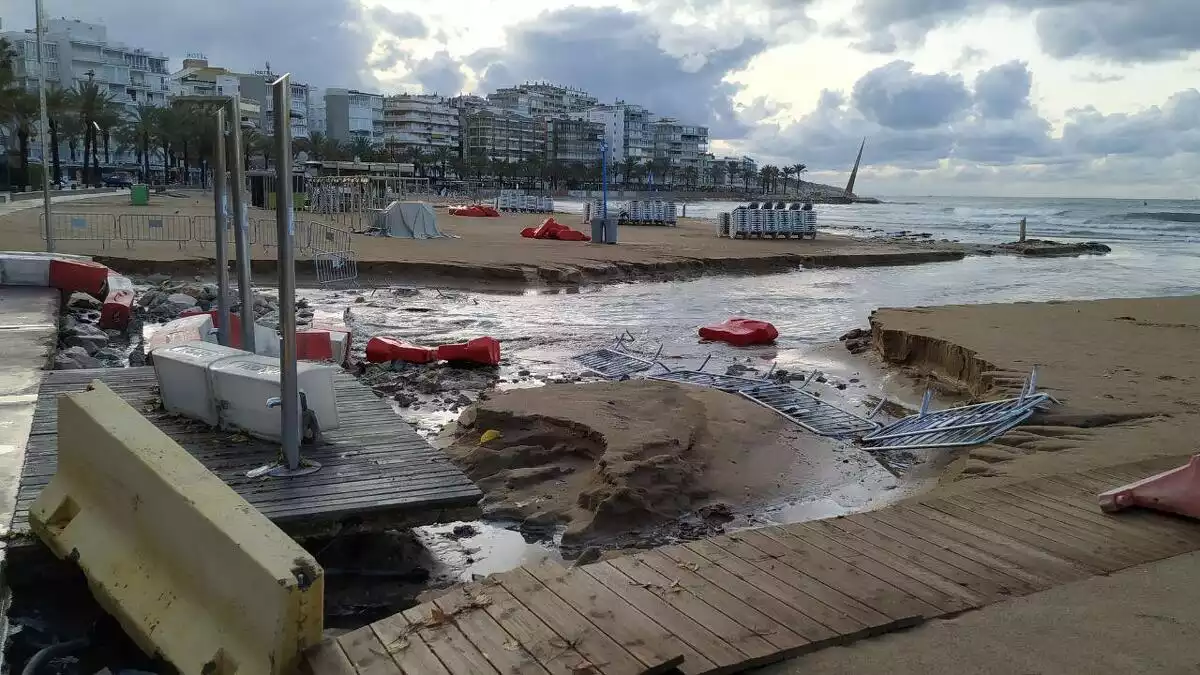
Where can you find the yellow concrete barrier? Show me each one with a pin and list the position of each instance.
(193, 572)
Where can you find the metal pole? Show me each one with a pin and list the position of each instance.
(45, 126)
(604, 180)
(286, 231)
(221, 217)
(237, 176)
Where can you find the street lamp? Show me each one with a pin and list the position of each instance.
(44, 125)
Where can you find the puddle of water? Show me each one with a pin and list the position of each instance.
(489, 549)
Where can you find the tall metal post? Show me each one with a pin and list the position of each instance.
(43, 138)
(286, 232)
(604, 179)
(241, 218)
(221, 217)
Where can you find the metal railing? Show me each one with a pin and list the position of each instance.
(315, 237)
(133, 227)
(336, 268)
(101, 227)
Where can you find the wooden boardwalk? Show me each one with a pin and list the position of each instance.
(373, 467)
(736, 601)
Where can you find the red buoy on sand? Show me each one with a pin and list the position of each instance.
(381, 349)
(741, 332)
(485, 350)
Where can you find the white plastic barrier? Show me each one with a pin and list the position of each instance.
(18, 269)
(230, 388)
(181, 331)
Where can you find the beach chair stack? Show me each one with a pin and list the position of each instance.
(724, 224)
(516, 201)
(649, 212)
(745, 223)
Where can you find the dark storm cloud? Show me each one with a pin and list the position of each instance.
(404, 25)
(439, 74)
(319, 41)
(1120, 30)
(896, 97)
(1003, 90)
(616, 54)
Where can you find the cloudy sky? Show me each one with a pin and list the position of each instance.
(956, 97)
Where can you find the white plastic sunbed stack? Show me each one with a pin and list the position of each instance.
(229, 388)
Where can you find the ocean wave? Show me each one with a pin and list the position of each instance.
(1167, 216)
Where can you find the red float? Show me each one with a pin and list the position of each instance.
(78, 275)
(552, 229)
(485, 350)
(528, 232)
(314, 345)
(741, 332)
(386, 349)
(117, 310)
(474, 211)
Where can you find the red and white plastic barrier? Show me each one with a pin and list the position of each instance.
(117, 311)
(485, 350)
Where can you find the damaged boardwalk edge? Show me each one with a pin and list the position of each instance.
(376, 469)
(742, 600)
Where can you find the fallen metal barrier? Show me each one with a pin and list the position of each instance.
(958, 427)
(192, 572)
(808, 410)
(134, 227)
(101, 227)
(615, 363)
(336, 267)
(317, 237)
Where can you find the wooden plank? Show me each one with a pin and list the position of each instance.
(446, 641)
(504, 653)
(694, 634)
(984, 582)
(1014, 553)
(400, 639)
(902, 573)
(1074, 539)
(327, 658)
(1017, 535)
(634, 631)
(820, 604)
(759, 589)
(577, 632)
(367, 653)
(725, 599)
(555, 655)
(837, 574)
(1141, 538)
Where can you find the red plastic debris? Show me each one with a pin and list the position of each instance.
(386, 349)
(485, 350)
(235, 327)
(741, 332)
(117, 310)
(474, 211)
(528, 232)
(1174, 491)
(193, 311)
(314, 345)
(78, 275)
(552, 229)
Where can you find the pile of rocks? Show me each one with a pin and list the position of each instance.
(167, 299)
(81, 341)
(857, 340)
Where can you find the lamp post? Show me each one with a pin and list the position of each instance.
(44, 125)
(604, 178)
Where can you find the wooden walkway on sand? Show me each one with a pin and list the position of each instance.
(374, 466)
(732, 602)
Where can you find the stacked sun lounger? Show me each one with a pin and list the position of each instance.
(747, 223)
(516, 201)
(648, 212)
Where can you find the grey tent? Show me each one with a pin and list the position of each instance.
(408, 220)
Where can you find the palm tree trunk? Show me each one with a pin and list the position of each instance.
(146, 158)
(87, 137)
(106, 155)
(54, 150)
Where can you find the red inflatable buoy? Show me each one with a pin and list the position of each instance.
(384, 349)
(741, 332)
(485, 350)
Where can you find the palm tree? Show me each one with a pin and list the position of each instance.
(716, 171)
(18, 111)
(690, 175)
(799, 169)
(361, 148)
(441, 157)
(93, 105)
(787, 172)
(57, 108)
(8, 56)
(140, 128)
(109, 116)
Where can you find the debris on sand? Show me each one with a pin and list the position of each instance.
(609, 458)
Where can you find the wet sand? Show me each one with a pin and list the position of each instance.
(1126, 372)
(489, 251)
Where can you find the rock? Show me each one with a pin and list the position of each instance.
(180, 301)
(302, 303)
(359, 300)
(841, 386)
(856, 334)
(821, 378)
(86, 336)
(462, 399)
(80, 300)
(75, 358)
(589, 555)
(461, 531)
(524, 372)
(156, 279)
(737, 369)
(859, 345)
(501, 511)
(112, 333)
(109, 354)
(151, 298)
(719, 512)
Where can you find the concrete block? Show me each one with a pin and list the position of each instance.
(193, 573)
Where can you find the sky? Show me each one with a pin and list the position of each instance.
(1039, 98)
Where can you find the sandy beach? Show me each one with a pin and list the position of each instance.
(1125, 371)
(490, 251)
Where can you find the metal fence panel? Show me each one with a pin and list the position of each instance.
(713, 380)
(101, 227)
(318, 237)
(154, 227)
(808, 410)
(265, 231)
(336, 267)
(204, 229)
(956, 427)
(612, 363)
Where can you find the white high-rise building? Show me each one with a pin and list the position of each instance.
(425, 123)
(257, 87)
(626, 130)
(316, 112)
(352, 114)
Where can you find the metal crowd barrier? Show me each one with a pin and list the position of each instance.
(317, 237)
(336, 267)
(204, 230)
(101, 227)
(146, 227)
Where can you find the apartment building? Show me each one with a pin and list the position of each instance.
(351, 114)
(501, 134)
(734, 169)
(199, 78)
(425, 123)
(626, 130)
(316, 112)
(540, 99)
(257, 87)
(573, 140)
(682, 146)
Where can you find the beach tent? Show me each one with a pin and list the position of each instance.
(408, 220)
